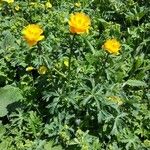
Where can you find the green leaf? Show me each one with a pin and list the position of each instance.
(9, 40)
(135, 83)
(90, 46)
(57, 148)
(8, 95)
(2, 130)
(49, 146)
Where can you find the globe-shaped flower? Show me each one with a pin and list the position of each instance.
(32, 34)
(112, 46)
(79, 23)
(42, 70)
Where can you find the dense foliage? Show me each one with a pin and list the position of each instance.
(61, 89)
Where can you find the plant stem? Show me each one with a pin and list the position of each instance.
(105, 60)
(104, 64)
(58, 72)
(61, 74)
(70, 56)
(101, 71)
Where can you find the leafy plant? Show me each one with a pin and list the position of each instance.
(8, 95)
(78, 78)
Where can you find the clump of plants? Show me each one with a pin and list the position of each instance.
(74, 75)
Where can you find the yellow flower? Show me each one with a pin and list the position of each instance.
(77, 4)
(9, 1)
(42, 70)
(48, 5)
(17, 8)
(66, 61)
(79, 23)
(30, 68)
(32, 34)
(112, 46)
(116, 100)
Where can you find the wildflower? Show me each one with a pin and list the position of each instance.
(77, 4)
(66, 62)
(17, 8)
(48, 5)
(112, 46)
(32, 34)
(42, 70)
(30, 68)
(116, 100)
(79, 23)
(9, 1)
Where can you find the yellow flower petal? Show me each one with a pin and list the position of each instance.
(30, 68)
(116, 100)
(79, 23)
(32, 34)
(41, 38)
(66, 63)
(17, 8)
(77, 4)
(112, 46)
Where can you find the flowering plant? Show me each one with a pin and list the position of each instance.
(64, 89)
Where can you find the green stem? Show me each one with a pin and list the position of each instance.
(104, 64)
(70, 56)
(61, 74)
(105, 61)
(58, 72)
(101, 71)
(90, 46)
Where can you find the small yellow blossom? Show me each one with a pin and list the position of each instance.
(32, 34)
(112, 46)
(42, 70)
(66, 62)
(48, 5)
(116, 99)
(30, 68)
(9, 1)
(79, 23)
(17, 8)
(77, 4)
